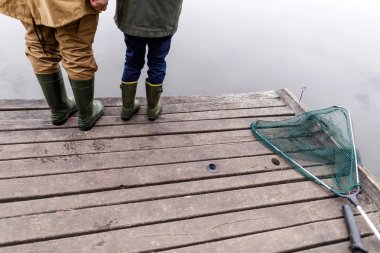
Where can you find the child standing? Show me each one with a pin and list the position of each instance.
(146, 24)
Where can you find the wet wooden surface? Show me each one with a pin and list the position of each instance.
(142, 186)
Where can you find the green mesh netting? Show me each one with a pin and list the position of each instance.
(319, 144)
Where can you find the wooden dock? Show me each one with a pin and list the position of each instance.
(142, 186)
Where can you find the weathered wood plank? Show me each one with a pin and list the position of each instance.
(371, 244)
(190, 231)
(100, 219)
(34, 150)
(370, 185)
(138, 176)
(133, 158)
(126, 130)
(105, 195)
(291, 101)
(193, 116)
(20, 104)
(141, 119)
(61, 185)
(170, 108)
(283, 240)
(103, 161)
(45, 124)
(118, 160)
(35, 136)
(105, 181)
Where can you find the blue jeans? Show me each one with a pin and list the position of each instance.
(158, 49)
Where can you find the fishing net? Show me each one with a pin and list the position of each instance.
(319, 144)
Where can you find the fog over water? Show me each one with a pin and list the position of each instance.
(222, 46)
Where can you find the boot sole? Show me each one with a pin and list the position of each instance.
(133, 114)
(59, 123)
(86, 128)
(153, 118)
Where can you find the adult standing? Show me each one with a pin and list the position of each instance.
(62, 31)
(145, 24)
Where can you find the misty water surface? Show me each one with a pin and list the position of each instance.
(225, 46)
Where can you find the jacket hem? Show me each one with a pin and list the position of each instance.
(148, 34)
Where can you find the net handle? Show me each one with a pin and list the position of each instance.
(354, 200)
(369, 222)
(356, 240)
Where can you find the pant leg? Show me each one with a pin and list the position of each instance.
(75, 40)
(158, 50)
(134, 57)
(43, 62)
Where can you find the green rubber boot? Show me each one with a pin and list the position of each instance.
(90, 110)
(130, 104)
(54, 91)
(153, 94)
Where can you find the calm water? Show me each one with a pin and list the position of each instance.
(330, 46)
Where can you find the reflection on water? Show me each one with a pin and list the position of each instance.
(329, 46)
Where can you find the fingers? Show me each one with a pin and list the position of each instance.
(105, 4)
(102, 6)
(100, 9)
(99, 5)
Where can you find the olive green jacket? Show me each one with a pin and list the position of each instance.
(148, 18)
(51, 13)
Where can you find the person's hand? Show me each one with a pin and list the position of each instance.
(99, 5)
